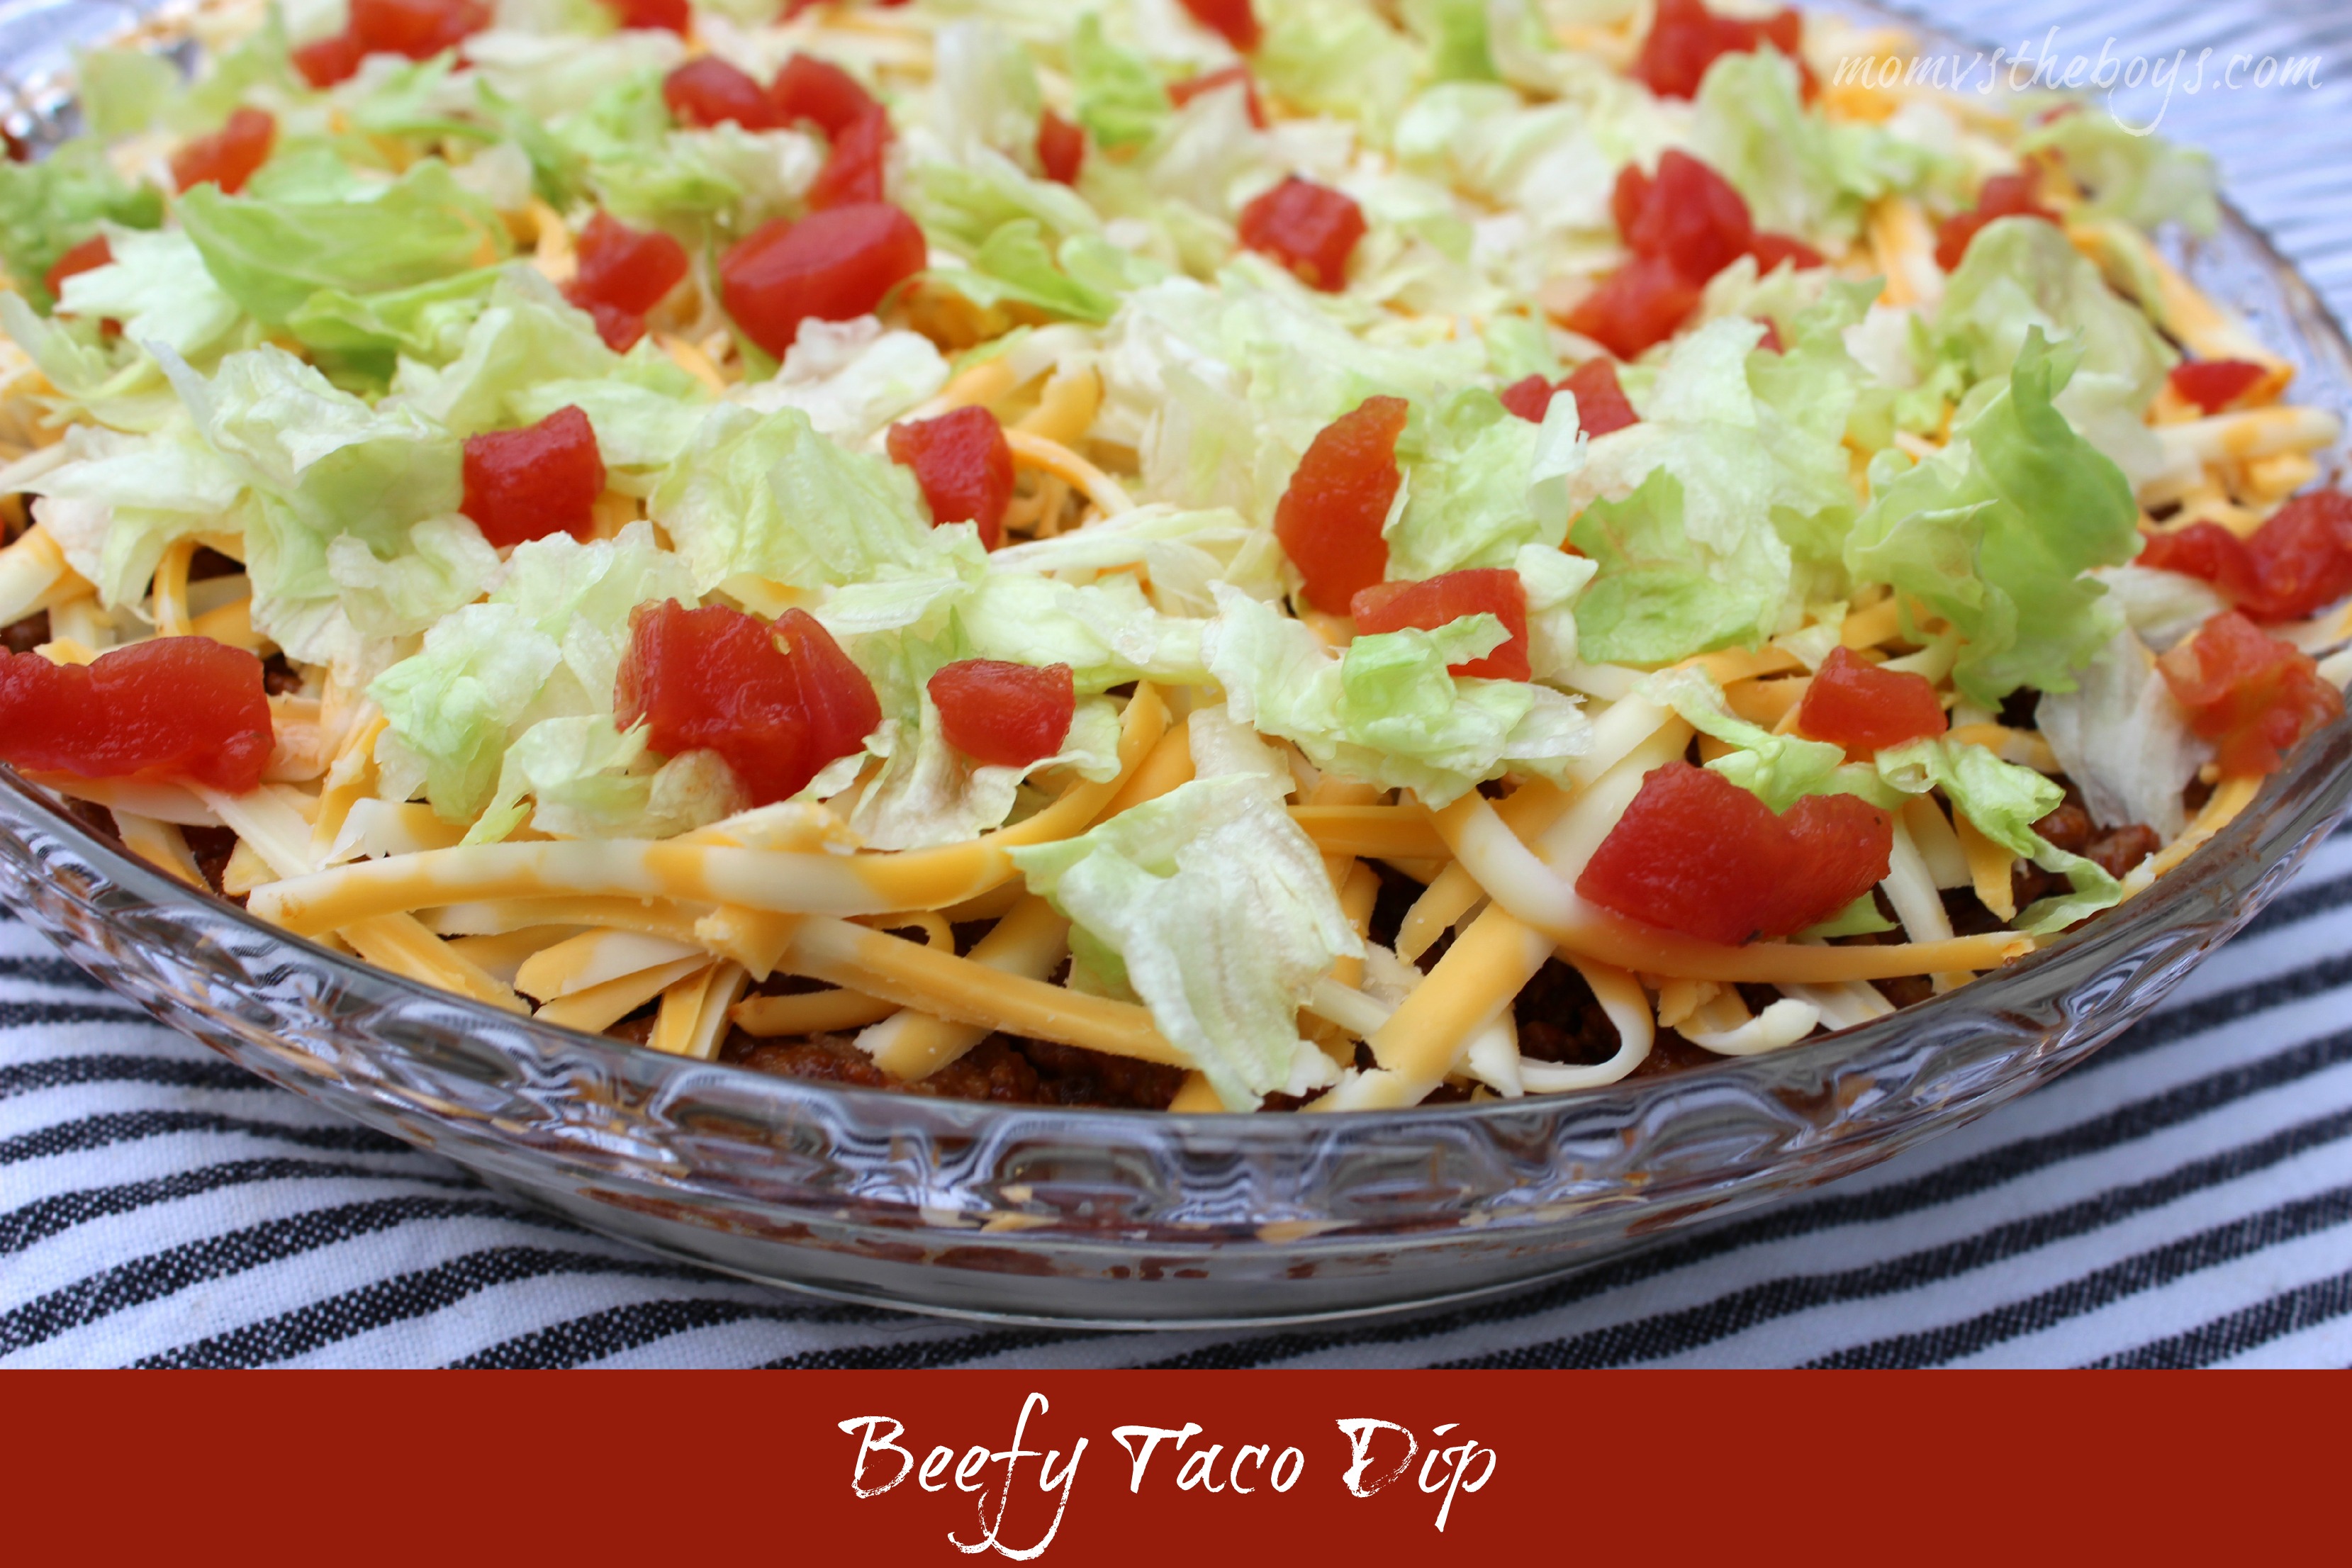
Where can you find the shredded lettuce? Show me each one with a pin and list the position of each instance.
(1214, 907)
(2139, 177)
(158, 290)
(1779, 770)
(1121, 102)
(851, 378)
(48, 207)
(1995, 533)
(766, 496)
(1339, 57)
(1801, 174)
(2123, 738)
(2021, 276)
(1387, 711)
(2003, 801)
(1468, 465)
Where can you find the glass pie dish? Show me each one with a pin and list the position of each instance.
(1127, 1217)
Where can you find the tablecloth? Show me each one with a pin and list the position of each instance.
(2184, 1199)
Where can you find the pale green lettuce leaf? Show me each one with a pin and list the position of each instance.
(1801, 174)
(1387, 711)
(1995, 533)
(851, 378)
(2125, 740)
(48, 207)
(2142, 179)
(1468, 463)
(1454, 32)
(585, 779)
(139, 494)
(2004, 800)
(928, 793)
(1553, 579)
(527, 333)
(2020, 276)
(121, 90)
(1120, 99)
(446, 563)
(1182, 554)
(770, 496)
(984, 90)
(1213, 906)
(271, 256)
(1340, 58)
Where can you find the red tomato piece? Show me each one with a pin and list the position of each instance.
(1310, 228)
(1696, 854)
(2212, 385)
(778, 702)
(707, 91)
(835, 265)
(88, 256)
(963, 465)
(170, 709)
(1231, 19)
(655, 16)
(1528, 398)
(852, 176)
(1639, 304)
(630, 269)
(2003, 196)
(329, 61)
(1864, 709)
(821, 92)
(621, 330)
(1687, 38)
(1771, 249)
(416, 28)
(1440, 601)
(2250, 693)
(528, 483)
(1600, 404)
(2205, 550)
(227, 157)
(1771, 342)
(1006, 715)
(1329, 517)
(1061, 148)
(1181, 93)
(2296, 564)
(1687, 213)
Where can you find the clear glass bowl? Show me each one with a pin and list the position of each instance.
(1129, 1219)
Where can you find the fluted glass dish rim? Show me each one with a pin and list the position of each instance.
(929, 1203)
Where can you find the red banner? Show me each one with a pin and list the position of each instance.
(1205, 1469)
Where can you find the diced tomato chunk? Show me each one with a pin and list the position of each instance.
(1864, 709)
(778, 702)
(2296, 564)
(820, 92)
(2212, 385)
(1061, 148)
(1687, 38)
(655, 16)
(852, 176)
(1310, 228)
(1006, 715)
(1771, 249)
(416, 28)
(1440, 601)
(621, 330)
(630, 269)
(227, 157)
(181, 709)
(1639, 304)
(1183, 92)
(835, 265)
(1696, 854)
(329, 60)
(1233, 19)
(1329, 518)
(88, 256)
(2003, 196)
(1528, 398)
(528, 483)
(963, 465)
(2250, 693)
(1771, 342)
(707, 91)
(1601, 405)
(1687, 213)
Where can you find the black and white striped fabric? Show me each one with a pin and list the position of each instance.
(2184, 1199)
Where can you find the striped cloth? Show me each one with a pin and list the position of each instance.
(2184, 1199)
